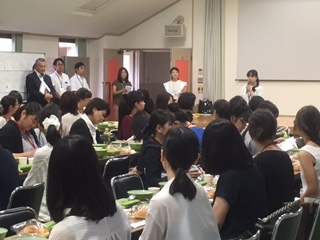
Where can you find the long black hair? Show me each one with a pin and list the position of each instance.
(254, 73)
(181, 149)
(119, 78)
(6, 102)
(74, 181)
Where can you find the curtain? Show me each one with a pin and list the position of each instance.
(81, 45)
(17, 42)
(213, 67)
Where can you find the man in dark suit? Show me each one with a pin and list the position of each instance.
(39, 85)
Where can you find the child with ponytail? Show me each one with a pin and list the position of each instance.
(50, 124)
(181, 210)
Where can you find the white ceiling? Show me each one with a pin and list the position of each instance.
(57, 18)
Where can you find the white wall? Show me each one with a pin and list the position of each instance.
(95, 52)
(288, 96)
(150, 34)
(41, 44)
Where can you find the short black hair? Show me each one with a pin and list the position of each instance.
(308, 121)
(181, 148)
(78, 65)
(221, 106)
(179, 115)
(262, 125)
(223, 148)
(270, 106)
(69, 103)
(162, 100)
(139, 121)
(55, 62)
(83, 94)
(239, 108)
(187, 100)
(32, 108)
(158, 117)
(254, 102)
(17, 95)
(6, 102)
(74, 170)
(99, 104)
(174, 68)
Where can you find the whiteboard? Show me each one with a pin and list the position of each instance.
(14, 67)
(280, 39)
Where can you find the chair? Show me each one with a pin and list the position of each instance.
(13, 216)
(315, 231)
(29, 196)
(286, 226)
(115, 167)
(254, 237)
(122, 183)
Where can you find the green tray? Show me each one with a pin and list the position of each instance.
(50, 225)
(124, 202)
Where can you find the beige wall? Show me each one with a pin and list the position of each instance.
(41, 44)
(288, 96)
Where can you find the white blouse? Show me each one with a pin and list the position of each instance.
(175, 87)
(109, 228)
(174, 217)
(67, 120)
(246, 95)
(93, 129)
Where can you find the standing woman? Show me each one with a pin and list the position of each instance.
(175, 86)
(50, 123)
(307, 125)
(119, 88)
(75, 184)
(18, 136)
(252, 88)
(181, 204)
(131, 103)
(10, 105)
(96, 111)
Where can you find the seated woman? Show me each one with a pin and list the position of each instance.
(50, 123)
(18, 136)
(186, 103)
(163, 100)
(69, 110)
(77, 197)
(240, 196)
(274, 164)
(307, 126)
(181, 204)
(221, 109)
(149, 104)
(9, 176)
(132, 103)
(9, 106)
(83, 97)
(149, 163)
(139, 121)
(96, 111)
(239, 113)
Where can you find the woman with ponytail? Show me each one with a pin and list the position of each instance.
(181, 204)
(149, 164)
(50, 125)
(307, 125)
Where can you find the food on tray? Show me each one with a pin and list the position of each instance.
(210, 193)
(36, 231)
(141, 213)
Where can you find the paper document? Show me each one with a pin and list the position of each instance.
(129, 88)
(288, 144)
(44, 88)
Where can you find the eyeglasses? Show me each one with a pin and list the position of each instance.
(243, 122)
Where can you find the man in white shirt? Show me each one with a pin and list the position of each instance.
(78, 80)
(60, 80)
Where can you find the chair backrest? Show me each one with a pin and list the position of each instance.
(13, 216)
(27, 196)
(115, 167)
(122, 183)
(286, 226)
(254, 237)
(315, 231)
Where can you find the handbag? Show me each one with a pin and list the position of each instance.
(266, 224)
(205, 106)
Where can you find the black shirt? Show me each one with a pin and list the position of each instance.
(80, 127)
(276, 168)
(244, 190)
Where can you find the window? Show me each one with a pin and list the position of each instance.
(6, 43)
(67, 47)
